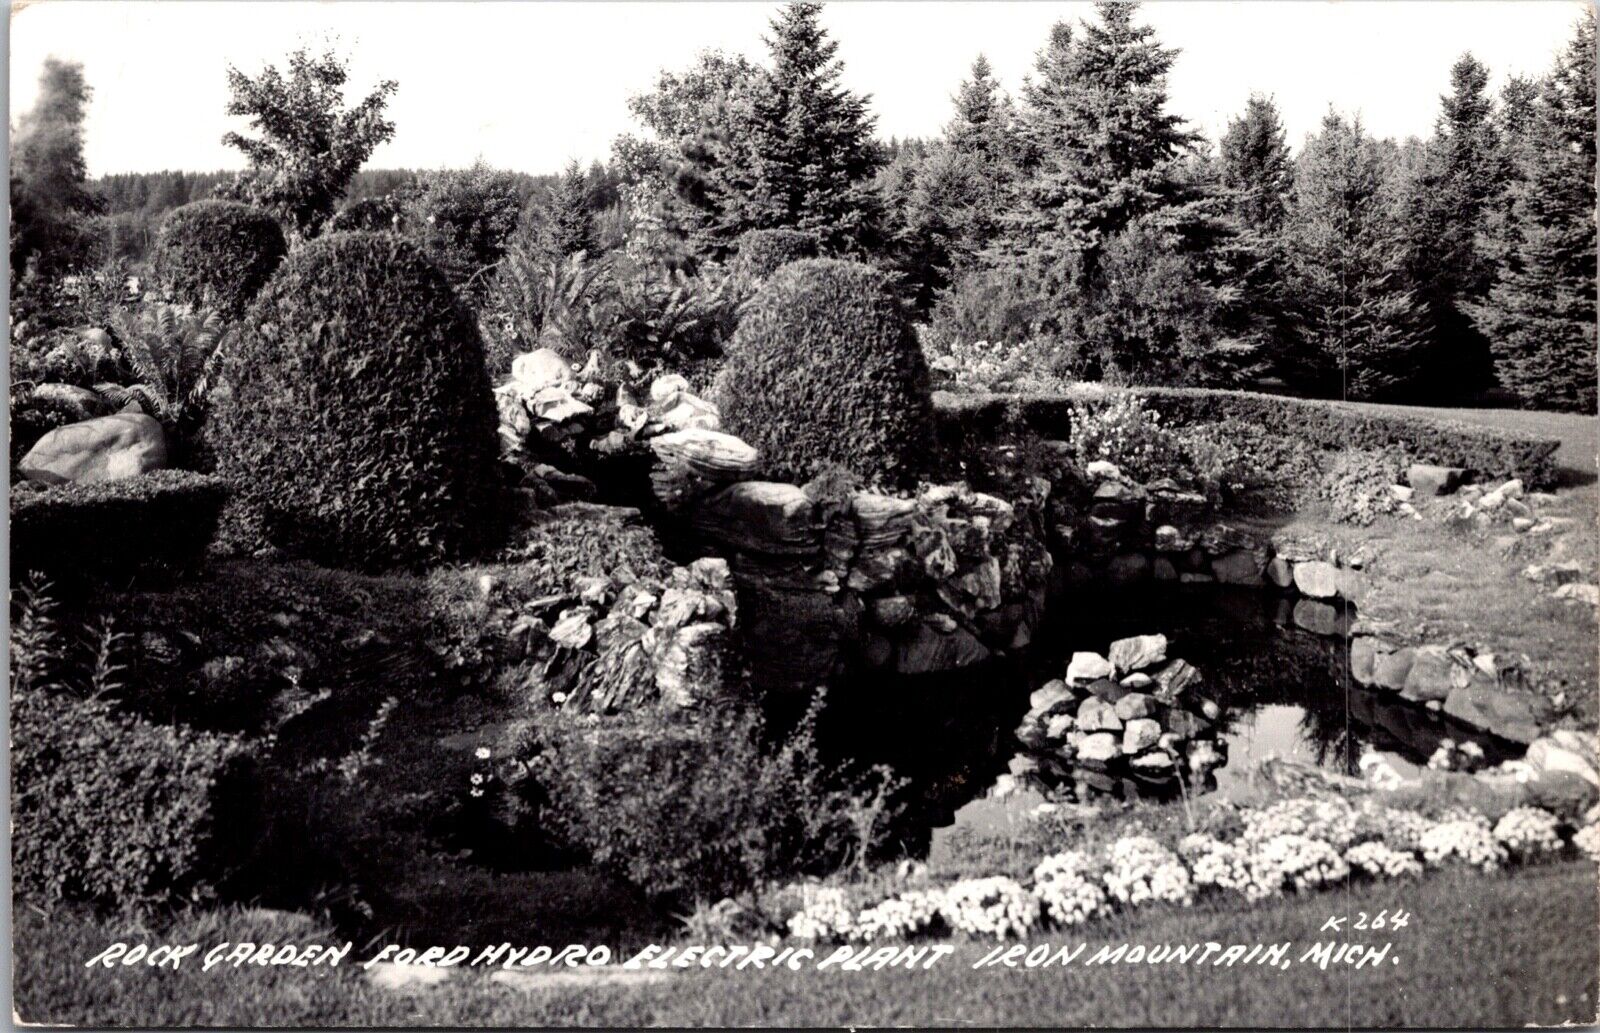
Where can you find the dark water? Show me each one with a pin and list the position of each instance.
(1284, 693)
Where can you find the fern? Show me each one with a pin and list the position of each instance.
(37, 647)
(173, 352)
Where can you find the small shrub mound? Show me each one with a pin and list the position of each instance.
(825, 369)
(760, 253)
(354, 414)
(159, 521)
(370, 213)
(700, 807)
(111, 809)
(217, 254)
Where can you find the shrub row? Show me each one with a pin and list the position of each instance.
(1484, 451)
(111, 809)
(161, 521)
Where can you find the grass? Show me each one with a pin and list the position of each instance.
(1480, 951)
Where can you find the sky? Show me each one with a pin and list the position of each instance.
(529, 86)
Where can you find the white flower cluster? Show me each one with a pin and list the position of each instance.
(1528, 832)
(1587, 839)
(1381, 861)
(1142, 870)
(1063, 884)
(1223, 865)
(1330, 820)
(898, 917)
(1468, 839)
(824, 914)
(997, 906)
(1296, 862)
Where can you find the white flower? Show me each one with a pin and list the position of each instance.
(1296, 862)
(1528, 831)
(1142, 870)
(482, 753)
(997, 906)
(1587, 839)
(1468, 839)
(1381, 861)
(1332, 820)
(477, 779)
(823, 914)
(1223, 865)
(898, 917)
(558, 698)
(1066, 889)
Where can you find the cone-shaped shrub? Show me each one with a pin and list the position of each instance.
(354, 415)
(825, 369)
(218, 254)
(763, 252)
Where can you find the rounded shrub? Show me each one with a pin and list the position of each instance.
(761, 253)
(369, 213)
(354, 415)
(823, 370)
(218, 254)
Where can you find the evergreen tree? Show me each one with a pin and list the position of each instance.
(1445, 207)
(50, 197)
(1359, 329)
(982, 126)
(1540, 312)
(310, 145)
(1255, 166)
(1098, 146)
(805, 159)
(565, 224)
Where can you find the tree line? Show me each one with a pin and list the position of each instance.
(1082, 223)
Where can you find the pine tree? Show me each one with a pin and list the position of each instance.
(1098, 146)
(1255, 166)
(1360, 330)
(1445, 205)
(565, 222)
(1540, 313)
(982, 125)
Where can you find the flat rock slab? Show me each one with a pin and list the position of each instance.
(1427, 479)
(1137, 653)
(389, 976)
(1493, 710)
(1317, 579)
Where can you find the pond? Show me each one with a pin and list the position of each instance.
(1282, 693)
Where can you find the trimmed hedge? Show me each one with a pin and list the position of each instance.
(826, 370)
(1484, 451)
(160, 521)
(354, 414)
(217, 254)
(760, 253)
(111, 809)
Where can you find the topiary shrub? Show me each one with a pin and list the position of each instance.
(825, 369)
(760, 253)
(159, 522)
(217, 254)
(111, 809)
(380, 214)
(354, 414)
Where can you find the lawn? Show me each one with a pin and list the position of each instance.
(1480, 951)
(1579, 435)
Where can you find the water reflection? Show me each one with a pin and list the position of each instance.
(1284, 693)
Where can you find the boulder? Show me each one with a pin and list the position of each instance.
(709, 454)
(1057, 726)
(1108, 690)
(1169, 539)
(929, 649)
(1580, 593)
(891, 611)
(1390, 669)
(1280, 572)
(1163, 570)
(1095, 715)
(1317, 579)
(666, 389)
(1099, 748)
(575, 629)
(1240, 567)
(764, 517)
(1138, 652)
(1319, 618)
(107, 448)
(689, 664)
(1567, 750)
(534, 371)
(1087, 667)
(1134, 705)
(1051, 696)
(1139, 735)
(1364, 651)
(1128, 568)
(1156, 762)
(1433, 676)
(1173, 679)
(1186, 725)
(1100, 469)
(1428, 480)
(1490, 709)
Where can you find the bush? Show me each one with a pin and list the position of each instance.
(379, 214)
(1124, 432)
(1357, 485)
(1248, 465)
(824, 368)
(697, 807)
(760, 253)
(354, 414)
(171, 353)
(463, 219)
(217, 254)
(1486, 452)
(159, 521)
(111, 809)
